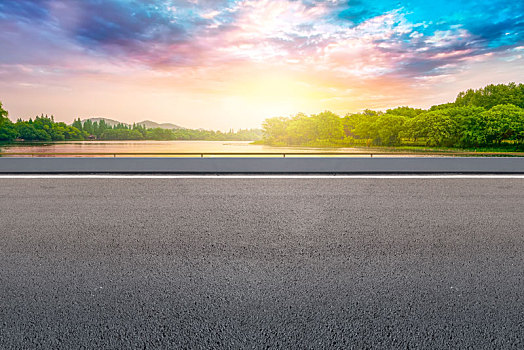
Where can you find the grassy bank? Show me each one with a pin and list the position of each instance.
(404, 148)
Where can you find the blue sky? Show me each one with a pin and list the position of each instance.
(218, 59)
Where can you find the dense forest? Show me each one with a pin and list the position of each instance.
(489, 117)
(102, 131)
(44, 128)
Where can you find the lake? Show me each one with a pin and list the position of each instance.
(158, 147)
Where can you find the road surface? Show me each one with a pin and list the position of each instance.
(255, 263)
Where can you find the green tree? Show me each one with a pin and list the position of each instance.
(492, 95)
(274, 130)
(350, 123)
(301, 129)
(141, 129)
(160, 134)
(470, 127)
(78, 124)
(504, 122)
(121, 134)
(3, 112)
(329, 126)
(436, 127)
(405, 111)
(388, 128)
(96, 130)
(365, 125)
(7, 129)
(452, 127)
(27, 131)
(88, 127)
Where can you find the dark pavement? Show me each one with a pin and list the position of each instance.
(261, 263)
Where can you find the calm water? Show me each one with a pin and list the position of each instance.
(158, 147)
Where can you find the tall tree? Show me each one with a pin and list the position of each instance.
(78, 124)
(3, 112)
(329, 126)
(504, 122)
(492, 95)
(7, 129)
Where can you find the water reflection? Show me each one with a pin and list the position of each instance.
(161, 147)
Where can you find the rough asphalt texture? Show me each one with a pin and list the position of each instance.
(261, 263)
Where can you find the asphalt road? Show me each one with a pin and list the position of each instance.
(261, 263)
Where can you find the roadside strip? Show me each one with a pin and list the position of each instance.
(265, 166)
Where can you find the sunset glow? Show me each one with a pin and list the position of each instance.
(231, 64)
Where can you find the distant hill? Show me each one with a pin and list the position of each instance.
(146, 123)
(110, 122)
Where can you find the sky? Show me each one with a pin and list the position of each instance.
(220, 64)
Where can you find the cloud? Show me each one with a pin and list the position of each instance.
(125, 24)
(359, 11)
(28, 10)
(508, 32)
(355, 38)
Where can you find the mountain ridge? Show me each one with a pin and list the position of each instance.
(148, 124)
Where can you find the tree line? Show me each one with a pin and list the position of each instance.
(44, 128)
(41, 128)
(103, 131)
(492, 116)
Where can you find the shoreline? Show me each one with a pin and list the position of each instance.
(277, 148)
